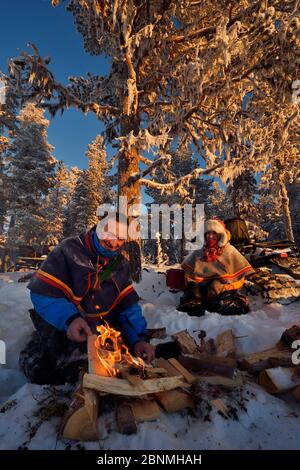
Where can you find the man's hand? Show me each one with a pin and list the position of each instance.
(79, 330)
(145, 350)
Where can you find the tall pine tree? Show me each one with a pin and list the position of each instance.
(57, 202)
(93, 187)
(32, 169)
(4, 143)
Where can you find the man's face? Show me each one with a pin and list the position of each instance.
(113, 236)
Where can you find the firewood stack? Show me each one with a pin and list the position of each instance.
(144, 392)
(280, 288)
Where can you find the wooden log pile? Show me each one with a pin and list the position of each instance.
(143, 394)
(280, 288)
(169, 385)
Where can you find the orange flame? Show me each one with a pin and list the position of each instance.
(112, 351)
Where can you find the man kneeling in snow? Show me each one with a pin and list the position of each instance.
(214, 274)
(84, 281)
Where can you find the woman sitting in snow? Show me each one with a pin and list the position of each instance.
(214, 274)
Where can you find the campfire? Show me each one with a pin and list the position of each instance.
(113, 354)
(140, 392)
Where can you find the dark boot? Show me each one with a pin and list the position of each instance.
(191, 305)
(230, 303)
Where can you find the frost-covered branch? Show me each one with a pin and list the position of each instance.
(164, 160)
(181, 182)
(145, 160)
(32, 78)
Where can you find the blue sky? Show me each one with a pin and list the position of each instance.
(52, 30)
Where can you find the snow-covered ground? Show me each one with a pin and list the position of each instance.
(29, 414)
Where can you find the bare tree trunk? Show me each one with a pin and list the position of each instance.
(128, 166)
(285, 206)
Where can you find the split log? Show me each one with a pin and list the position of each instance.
(220, 405)
(218, 365)
(174, 400)
(126, 423)
(186, 343)
(273, 357)
(165, 364)
(114, 386)
(279, 379)
(145, 410)
(225, 344)
(190, 378)
(135, 380)
(91, 403)
(154, 372)
(219, 380)
(159, 333)
(296, 394)
(81, 420)
(95, 366)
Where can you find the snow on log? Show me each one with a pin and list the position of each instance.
(279, 379)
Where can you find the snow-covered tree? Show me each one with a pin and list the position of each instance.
(93, 187)
(270, 211)
(198, 192)
(56, 203)
(274, 200)
(98, 180)
(75, 222)
(32, 169)
(217, 74)
(161, 257)
(9, 104)
(242, 194)
(4, 143)
(218, 203)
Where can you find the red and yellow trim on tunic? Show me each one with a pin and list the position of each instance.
(87, 242)
(224, 277)
(128, 290)
(55, 282)
(234, 285)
